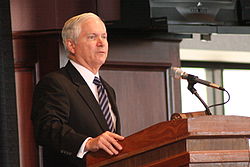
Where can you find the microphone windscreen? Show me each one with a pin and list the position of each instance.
(176, 72)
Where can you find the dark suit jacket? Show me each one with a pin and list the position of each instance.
(65, 113)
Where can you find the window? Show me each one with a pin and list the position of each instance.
(236, 81)
(190, 103)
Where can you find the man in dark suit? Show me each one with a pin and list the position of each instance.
(67, 113)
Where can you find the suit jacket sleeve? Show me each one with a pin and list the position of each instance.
(50, 116)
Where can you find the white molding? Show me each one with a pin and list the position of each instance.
(215, 55)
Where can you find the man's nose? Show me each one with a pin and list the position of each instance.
(100, 41)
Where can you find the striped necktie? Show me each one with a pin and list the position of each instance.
(104, 103)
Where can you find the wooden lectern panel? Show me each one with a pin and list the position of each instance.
(201, 141)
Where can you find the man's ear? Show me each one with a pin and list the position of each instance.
(71, 46)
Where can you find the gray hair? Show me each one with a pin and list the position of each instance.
(72, 29)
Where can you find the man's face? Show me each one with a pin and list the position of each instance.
(91, 47)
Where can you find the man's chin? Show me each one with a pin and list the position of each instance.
(101, 62)
(102, 58)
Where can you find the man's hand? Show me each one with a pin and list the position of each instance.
(107, 141)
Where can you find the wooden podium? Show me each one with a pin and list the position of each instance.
(205, 141)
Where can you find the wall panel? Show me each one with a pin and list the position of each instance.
(35, 54)
(27, 15)
(141, 97)
(37, 15)
(24, 89)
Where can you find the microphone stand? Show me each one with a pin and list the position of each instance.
(191, 82)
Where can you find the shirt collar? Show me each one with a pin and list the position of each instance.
(87, 75)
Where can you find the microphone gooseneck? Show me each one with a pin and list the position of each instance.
(179, 74)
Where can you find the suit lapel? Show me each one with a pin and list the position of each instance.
(87, 95)
(89, 98)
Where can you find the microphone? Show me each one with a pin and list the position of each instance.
(179, 74)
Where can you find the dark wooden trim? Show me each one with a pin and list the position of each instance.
(34, 34)
(114, 65)
(23, 67)
(178, 160)
(113, 33)
(219, 65)
(150, 34)
(117, 33)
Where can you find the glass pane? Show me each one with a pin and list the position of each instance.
(190, 103)
(237, 83)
